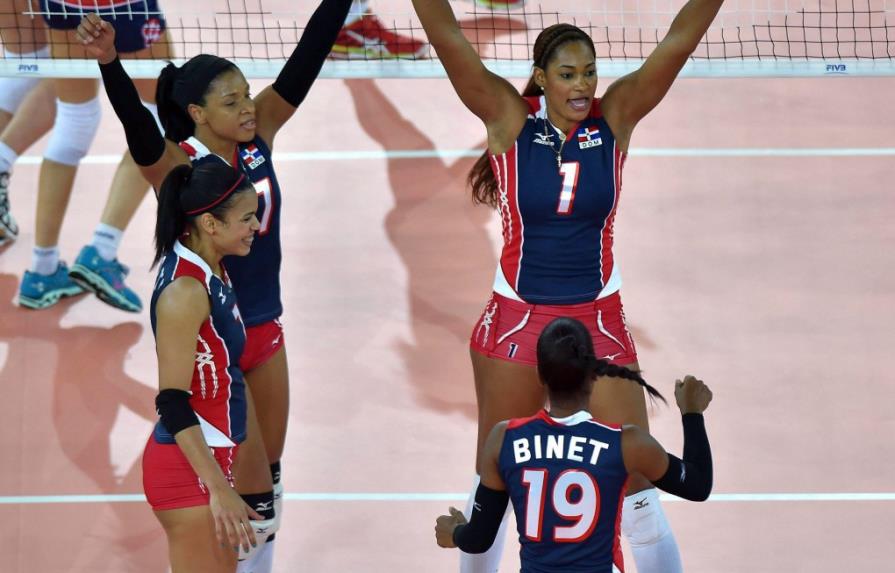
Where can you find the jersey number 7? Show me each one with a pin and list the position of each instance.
(265, 204)
(584, 512)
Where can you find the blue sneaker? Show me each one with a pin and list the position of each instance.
(43, 291)
(105, 278)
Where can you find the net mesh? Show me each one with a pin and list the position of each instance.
(266, 31)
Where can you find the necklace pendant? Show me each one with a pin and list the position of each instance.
(558, 161)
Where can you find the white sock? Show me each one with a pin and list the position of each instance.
(106, 240)
(260, 562)
(649, 534)
(44, 260)
(489, 561)
(8, 156)
(358, 9)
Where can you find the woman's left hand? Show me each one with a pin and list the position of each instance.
(445, 525)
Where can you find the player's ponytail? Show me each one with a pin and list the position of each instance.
(177, 88)
(567, 363)
(481, 178)
(177, 122)
(188, 192)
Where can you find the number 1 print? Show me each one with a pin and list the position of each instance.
(569, 172)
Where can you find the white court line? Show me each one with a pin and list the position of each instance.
(718, 497)
(353, 155)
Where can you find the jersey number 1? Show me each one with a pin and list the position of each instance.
(569, 172)
(584, 511)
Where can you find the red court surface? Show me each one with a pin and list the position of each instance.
(755, 238)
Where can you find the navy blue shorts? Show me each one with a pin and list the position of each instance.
(138, 24)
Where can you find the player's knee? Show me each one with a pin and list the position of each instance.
(643, 520)
(76, 126)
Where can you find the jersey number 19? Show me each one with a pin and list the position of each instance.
(584, 511)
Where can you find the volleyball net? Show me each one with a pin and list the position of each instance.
(749, 38)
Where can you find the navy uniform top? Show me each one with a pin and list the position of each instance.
(256, 277)
(557, 203)
(566, 478)
(217, 388)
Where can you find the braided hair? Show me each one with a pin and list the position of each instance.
(566, 360)
(481, 177)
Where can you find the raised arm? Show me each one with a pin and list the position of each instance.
(490, 97)
(631, 97)
(690, 478)
(181, 309)
(155, 155)
(491, 499)
(277, 102)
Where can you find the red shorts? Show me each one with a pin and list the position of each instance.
(509, 329)
(169, 480)
(262, 342)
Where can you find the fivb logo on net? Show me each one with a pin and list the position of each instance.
(836, 69)
(29, 68)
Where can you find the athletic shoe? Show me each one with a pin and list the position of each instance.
(43, 291)
(105, 278)
(368, 39)
(9, 230)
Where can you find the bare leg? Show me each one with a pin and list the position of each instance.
(193, 546)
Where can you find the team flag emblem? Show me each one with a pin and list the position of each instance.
(589, 137)
(252, 157)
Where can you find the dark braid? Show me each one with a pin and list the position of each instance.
(566, 360)
(605, 369)
(481, 177)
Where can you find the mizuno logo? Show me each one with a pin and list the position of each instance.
(263, 505)
(640, 504)
(611, 356)
(544, 139)
(477, 506)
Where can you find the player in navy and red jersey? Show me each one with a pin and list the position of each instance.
(140, 33)
(566, 472)
(553, 171)
(206, 105)
(204, 214)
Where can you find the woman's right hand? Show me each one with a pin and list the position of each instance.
(692, 395)
(231, 518)
(98, 38)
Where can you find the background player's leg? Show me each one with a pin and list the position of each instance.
(270, 389)
(192, 543)
(251, 476)
(503, 390)
(97, 267)
(77, 120)
(23, 37)
(32, 120)
(644, 523)
(269, 383)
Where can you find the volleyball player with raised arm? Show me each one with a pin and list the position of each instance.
(209, 115)
(566, 472)
(553, 170)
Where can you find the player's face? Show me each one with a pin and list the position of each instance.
(570, 82)
(235, 235)
(229, 107)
